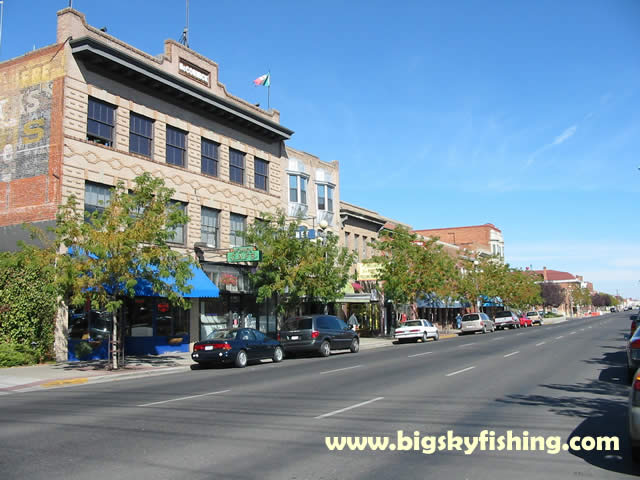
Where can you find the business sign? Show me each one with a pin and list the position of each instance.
(244, 254)
(194, 72)
(368, 271)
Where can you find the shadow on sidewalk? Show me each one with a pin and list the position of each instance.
(135, 362)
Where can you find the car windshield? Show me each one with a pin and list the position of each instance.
(471, 317)
(412, 323)
(222, 335)
(298, 323)
(503, 314)
(532, 314)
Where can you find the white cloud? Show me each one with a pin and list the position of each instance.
(568, 133)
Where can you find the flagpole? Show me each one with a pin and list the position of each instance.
(269, 92)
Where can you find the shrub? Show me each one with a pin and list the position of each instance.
(82, 350)
(13, 355)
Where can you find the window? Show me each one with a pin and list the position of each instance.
(356, 245)
(236, 166)
(238, 223)
(176, 146)
(178, 230)
(140, 134)
(364, 247)
(100, 122)
(261, 168)
(209, 151)
(96, 197)
(298, 189)
(209, 226)
(346, 240)
(325, 198)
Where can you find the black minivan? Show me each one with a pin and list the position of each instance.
(317, 334)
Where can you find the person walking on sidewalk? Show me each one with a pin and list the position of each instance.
(353, 322)
(458, 321)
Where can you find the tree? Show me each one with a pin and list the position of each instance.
(553, 295)
(114, 248)
(296, 269)
(580, 296)
(521, 289)
(410, 267)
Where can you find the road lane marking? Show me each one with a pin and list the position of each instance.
(573, 333)
(509, 354)
(418, 354)
(541, 343)
(561, 336)
(582, 329)
(460, 371)
(466, 344)
(339, 369)
(497, 338)
(335, 412)
(183, 398)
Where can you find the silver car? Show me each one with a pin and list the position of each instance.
(476, 322)
(633, 413)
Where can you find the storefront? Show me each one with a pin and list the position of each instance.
(365, 306)
(237, 305)
(150, 324)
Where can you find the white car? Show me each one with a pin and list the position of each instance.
(414, 330)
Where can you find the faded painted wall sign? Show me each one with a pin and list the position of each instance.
(25, 116)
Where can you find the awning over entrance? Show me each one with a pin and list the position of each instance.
(201, 286)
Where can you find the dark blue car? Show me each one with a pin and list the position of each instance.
(236, 345)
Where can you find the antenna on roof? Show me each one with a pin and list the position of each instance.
(184, 39)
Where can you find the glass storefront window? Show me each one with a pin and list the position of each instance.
(85, 324)
(140, 317)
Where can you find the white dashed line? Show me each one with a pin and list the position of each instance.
(467, 344)
(418, 354)
(509, 354)
(335, 412)
(460, 371)
(183, 398)
(541, 343)
(561, 336)
(339, 369)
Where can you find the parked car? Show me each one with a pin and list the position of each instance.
(634, 324)
(236, 345)
(613, 309)
(476, 322)
(506, 319)
(535, 317)
(317, 334)
(633, 354)
(633, 415)
(414, 330)
(525, 321)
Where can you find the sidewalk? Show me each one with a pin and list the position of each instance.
(37, 377)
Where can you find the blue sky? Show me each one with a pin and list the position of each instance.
(519, 113)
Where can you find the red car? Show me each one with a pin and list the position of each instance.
(525, 321)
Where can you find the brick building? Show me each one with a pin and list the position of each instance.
(485, 238)
(567, 281)
(89, 111)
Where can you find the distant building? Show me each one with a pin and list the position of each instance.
(567, 281)
(486, 239)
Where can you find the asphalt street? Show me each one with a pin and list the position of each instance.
(270, 420)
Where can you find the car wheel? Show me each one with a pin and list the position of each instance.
(325, 349)
(484, 329)
(241, 359)
(425, 337)
(278, 355)
(355, 346)
(437, 337)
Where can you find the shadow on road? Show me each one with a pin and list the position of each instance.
(600, 403)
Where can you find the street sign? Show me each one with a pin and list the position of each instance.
(244, 254)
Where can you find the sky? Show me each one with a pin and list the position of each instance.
(521, 113)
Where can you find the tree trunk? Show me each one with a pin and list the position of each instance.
(115, 340)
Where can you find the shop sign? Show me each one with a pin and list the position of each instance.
(190, 70)
(368, 271)
(244, 254)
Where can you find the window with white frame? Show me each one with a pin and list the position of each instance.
(325, 197)
(238, 227)
(96, 197)
(177, 233)
(209, 218)
(298, 189)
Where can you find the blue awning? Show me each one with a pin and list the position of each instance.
(201, 285)
(433, 301)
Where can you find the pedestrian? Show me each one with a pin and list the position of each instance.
(353, 322)
(458, 321)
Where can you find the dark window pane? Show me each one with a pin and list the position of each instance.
(209, 226)
(209, 151)
(293, 188)
(261, 173)
(237, 230)
(100, 122)
(140, 134)
(176, 146)
(236, 166)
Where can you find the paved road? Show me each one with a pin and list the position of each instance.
(270, 421)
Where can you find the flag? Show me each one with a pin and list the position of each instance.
(263, 80)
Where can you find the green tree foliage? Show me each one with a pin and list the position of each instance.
(581, 296)
(411, 267)
(296, 269)
(520, 289)
(114, 248)
(27, 306)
